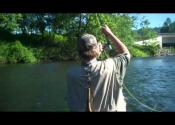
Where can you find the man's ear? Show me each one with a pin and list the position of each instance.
(100, 47)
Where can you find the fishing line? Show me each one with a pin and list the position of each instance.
(138, 101)
(134, 97)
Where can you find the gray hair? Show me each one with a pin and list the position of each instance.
(85, 46)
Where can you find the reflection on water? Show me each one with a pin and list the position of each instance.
(152, 81)
(42, 87)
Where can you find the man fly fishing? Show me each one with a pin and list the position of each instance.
(97, 85)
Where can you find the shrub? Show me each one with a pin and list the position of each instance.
(38, 53)
(135, 52)
(17, 53)
(53, 38)
(3, 48)
(59, 38)
(149, 49)
(3, 52)
(3, 59)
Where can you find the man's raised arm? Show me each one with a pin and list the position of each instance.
(121, 48)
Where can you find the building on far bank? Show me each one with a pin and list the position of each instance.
(163, 39)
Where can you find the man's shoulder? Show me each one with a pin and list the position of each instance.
(114, 61)
(123, 57)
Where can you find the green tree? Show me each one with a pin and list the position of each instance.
(145, 32)
(172, 27)
(9, 21)
(25, 22)
(166, 26)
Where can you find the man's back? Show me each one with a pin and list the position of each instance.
(106, 85)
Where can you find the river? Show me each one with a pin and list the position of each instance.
(42, 87)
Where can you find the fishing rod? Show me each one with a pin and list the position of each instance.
(108, 45)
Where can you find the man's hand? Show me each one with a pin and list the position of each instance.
(120, 46)
(106, 30)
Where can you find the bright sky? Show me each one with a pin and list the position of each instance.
(155, 19)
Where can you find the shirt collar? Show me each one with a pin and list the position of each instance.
(89, 62)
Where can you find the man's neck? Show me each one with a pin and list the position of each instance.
(89, 61)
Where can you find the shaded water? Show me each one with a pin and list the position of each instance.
(33, 87)
(42, 87)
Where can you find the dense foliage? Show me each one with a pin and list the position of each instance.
(35, 37)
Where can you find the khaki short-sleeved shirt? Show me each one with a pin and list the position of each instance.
(106, 85)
